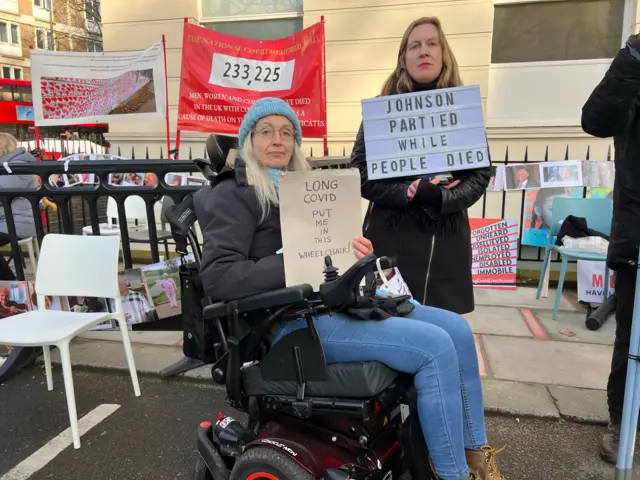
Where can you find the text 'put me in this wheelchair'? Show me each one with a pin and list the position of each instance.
(306, 419)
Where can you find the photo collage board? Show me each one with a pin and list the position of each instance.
(148, 294)
(119, 179)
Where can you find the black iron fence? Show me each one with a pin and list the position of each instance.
(81, 206)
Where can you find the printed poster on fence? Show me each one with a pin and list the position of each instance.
(425, 132)
(494, 244)
(101, 87)
(320, 214)
(223, 76)
(591, 281)
(538, 212)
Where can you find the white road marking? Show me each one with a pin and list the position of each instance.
(53, 448)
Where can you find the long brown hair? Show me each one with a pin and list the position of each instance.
(400, 81)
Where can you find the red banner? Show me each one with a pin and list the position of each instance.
(223, 75)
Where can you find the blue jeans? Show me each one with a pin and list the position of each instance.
(438, 347)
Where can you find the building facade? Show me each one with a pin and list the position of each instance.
(67, 25)
(535, 61)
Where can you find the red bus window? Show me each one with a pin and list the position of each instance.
(5, 93)
(22, 94)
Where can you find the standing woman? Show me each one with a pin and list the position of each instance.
(424, 225)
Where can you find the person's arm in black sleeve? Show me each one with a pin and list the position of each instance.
(612, 104)
(228, 227)
(391, 192)
(439, 201)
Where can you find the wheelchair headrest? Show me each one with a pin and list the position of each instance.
(182, 216)
(218, 148)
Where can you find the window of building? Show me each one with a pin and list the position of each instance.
(94, 46)
(265, 20)
(564, 30)
(41, 38)
(92, 10)
(44, 4)
(9, 33)
(14, 73)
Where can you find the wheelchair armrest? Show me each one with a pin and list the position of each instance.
(262, 301)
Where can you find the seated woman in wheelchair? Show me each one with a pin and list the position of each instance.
(241, 230)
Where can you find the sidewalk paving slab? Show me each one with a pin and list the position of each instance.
(150, 338)
(548, 362)
(574, 322)
(517, 398)
(524, 297)
(580, 404)
(104, 354)
(498, 321)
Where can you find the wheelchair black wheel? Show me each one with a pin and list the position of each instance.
(264, 463)
(202, 471)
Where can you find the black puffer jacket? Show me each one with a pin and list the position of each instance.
(429, 236)
(612, 110)
(239, 251)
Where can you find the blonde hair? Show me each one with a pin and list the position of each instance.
(8, 143)
(258, 176)
(400, 81)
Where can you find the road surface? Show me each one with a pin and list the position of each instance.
(152, 437)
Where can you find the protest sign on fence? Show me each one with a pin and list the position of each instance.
(104, 87)
(591, 281)
(494, 244)
(223, 75)
(425, 132)
(320, 214)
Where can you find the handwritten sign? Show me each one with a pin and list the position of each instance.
(425, 132)
(320, 214)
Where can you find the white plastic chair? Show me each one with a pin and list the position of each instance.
(70, 266)
(134, 207)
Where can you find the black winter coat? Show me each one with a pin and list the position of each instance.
(612, 110)
(239, 252)
(429, 236)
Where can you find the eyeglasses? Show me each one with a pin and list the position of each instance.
(267, 132)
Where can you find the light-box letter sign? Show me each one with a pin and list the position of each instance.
(320, 214)
(425, 132)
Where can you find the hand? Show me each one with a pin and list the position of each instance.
(362, 247)
(411, 192)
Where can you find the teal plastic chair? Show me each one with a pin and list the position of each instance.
(598, 212)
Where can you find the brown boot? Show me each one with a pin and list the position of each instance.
(482, 463)
(610, 443)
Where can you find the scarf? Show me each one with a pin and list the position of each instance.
(275, 173)
(395, 217)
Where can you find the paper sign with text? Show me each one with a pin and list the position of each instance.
(425, 132)
(494, 244)
(104, 87)
(224, 75)
(591, 281)
(320, 214)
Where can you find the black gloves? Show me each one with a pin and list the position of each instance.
(428, 195)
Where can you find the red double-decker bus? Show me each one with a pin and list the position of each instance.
(17, 118)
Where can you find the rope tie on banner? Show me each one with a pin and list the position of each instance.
(66, 164)
(6, 167)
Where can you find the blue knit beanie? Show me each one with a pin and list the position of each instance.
(264, 107)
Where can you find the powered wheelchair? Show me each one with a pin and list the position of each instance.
(306, 419)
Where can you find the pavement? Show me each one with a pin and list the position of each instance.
(531, 365)
(153, 436)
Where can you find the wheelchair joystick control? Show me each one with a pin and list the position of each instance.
(330, 272)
